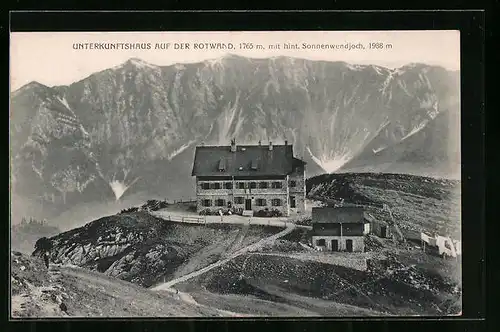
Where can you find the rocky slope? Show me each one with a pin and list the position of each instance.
(63, 291)
(142, 249)
(133, 128)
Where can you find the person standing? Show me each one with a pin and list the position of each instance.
(43, 247)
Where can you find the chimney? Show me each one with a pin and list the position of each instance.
(260, 143)
(270, 146)
(286, 142)
(233, 145)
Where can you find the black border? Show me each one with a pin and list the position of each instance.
(471, 25)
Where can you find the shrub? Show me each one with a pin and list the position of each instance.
(205, 212)
(304, 221)
(43, 244)
(268, 213)
(129, 210)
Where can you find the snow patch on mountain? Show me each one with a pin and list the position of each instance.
(415, 130)
(377, 150)
(64, 102)
(180, 149)
(329, 164)
(354, 67)
(119, 187)
(378, 70)
(229, 122)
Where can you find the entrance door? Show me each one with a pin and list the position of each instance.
(335, 245)
(348, 245)
(248, 204)
(292, 202)
(383, 231)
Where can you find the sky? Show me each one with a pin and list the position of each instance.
(50, 58)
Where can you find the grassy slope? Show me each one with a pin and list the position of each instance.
(38, 292)
(388, 287)
(418, 203)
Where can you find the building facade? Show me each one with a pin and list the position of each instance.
(379, 227)
(249, 179)
(339, 229)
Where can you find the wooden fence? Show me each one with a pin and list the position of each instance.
(193, 220)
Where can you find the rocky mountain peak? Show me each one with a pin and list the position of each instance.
(134, 129)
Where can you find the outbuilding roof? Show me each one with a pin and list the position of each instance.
(327, 215)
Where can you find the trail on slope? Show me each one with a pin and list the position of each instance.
(252, 247)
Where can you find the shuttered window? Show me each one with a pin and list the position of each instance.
(261, 202)
(277, 185)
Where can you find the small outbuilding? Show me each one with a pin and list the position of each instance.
(339, 228)
(379, 227)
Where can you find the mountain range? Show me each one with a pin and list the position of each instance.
(132, 129)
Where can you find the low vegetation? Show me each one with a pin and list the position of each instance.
(417, 203)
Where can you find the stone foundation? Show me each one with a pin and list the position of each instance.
(358, 243)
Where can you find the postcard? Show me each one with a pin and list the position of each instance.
(235, 174)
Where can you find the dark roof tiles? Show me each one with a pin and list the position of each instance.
(248, 160)
(338, 215)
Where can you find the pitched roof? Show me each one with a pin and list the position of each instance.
(247, 160)
(338, 215)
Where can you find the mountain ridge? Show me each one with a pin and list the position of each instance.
(133, 127)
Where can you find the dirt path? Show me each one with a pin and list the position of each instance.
(233, 219)
(187, 298)
(242, 251)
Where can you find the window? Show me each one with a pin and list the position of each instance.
(205, 185)
(220, 202)
(215, 185)
(292, 202)
(241, 185)
(222, 165)
(293, 183)
(261, 202)
(228, 185)
(276, 202)
(206, 202)
(263, 185)
(277, 185)
(253, 185)
(238, 200)
(321, 242)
